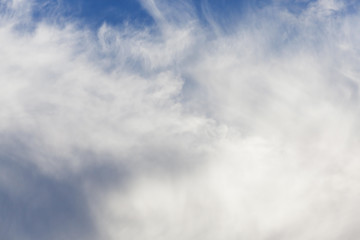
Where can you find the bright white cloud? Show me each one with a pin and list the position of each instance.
(248, 135)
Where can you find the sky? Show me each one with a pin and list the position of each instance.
(163, 119)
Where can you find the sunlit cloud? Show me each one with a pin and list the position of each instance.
(185, 128)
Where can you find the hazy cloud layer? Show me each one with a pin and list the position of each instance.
(247, 129)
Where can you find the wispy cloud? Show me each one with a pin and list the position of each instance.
(181, 130)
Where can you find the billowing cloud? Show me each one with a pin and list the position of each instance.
(184, 129)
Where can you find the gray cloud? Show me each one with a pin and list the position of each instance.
(37, 206)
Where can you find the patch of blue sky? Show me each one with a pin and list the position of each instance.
(114, 12)
(223, 10)
(94, 13)
(221, 15)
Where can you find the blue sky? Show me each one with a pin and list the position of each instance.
(179, 120)
(95, 12)
(118, 11)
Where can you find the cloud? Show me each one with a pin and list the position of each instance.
(179, 130)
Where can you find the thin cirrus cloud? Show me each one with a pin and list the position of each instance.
(194, 125)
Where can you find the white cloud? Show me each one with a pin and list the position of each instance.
(252, 134)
